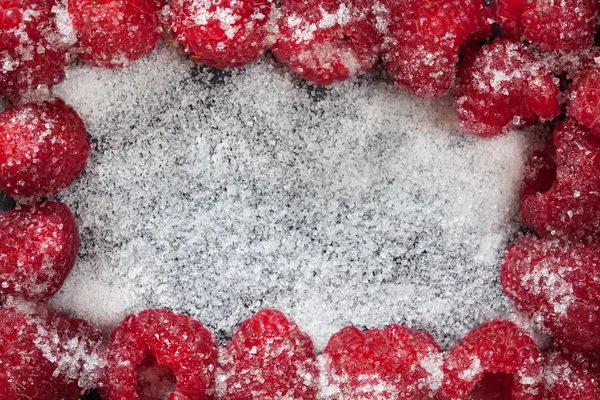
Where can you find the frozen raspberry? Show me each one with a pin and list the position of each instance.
(507, 14)
(43, 148)
(33, 53)
(424, 40)
(392, 363)
(45, 354)
(561, 185)
(501, 87)
(268, 358)
(558, 24)
(584, 96)
(158, 354)
(571, 377)
(557, 283)
(328, 40)
(223, 33)
(113, 33)
(38, 248)
(498, 360)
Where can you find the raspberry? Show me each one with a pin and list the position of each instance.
(45, 354)
(38, 248)
(392, 363)
(584, 96)
(507, 14)
(566, 62)
(557, 283)
(113, 33)
(425, 38)
(328, 41)
(561, 185)
(268, 358)
(157, 352)
(43, 148)
(571, 377)
(223, 33)
(498, 360)
(556, 24)
(33, 53)
(501, 87)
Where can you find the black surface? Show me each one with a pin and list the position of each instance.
(6, 203)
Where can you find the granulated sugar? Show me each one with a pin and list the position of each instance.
(218, 194)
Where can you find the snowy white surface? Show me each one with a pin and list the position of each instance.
(220, 195)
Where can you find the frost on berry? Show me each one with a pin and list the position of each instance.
(47, 355)
(38, 248)
(160, 354)
(269, 358)
(497, 360)
(571, 376)
(560, 190)
(584, 99)
(424, 39)
(392, 363)
(557, 284)
(43, 148)
(115, 33)
(223, 34)
(501, 87)
(34, 52)
(328, 41)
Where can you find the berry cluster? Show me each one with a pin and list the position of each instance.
(543, 59)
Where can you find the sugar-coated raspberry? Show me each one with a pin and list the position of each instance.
(46, 355)
(223, 33)
(572, 376)
(557, 284)
(43, 148)
(424, 40)
(268, 358)
(507, 13)
(501, 87)
(557, 24)
(33, 52)
(566, 62)
(392, 363)
(327, 41)
(113, 33)
(584, 99)
(561, 185)
(38, 248)
(160, 354)
(497, 360)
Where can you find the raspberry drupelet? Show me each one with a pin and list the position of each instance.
(43, 148)
(268, 358)
(572, 376)
(114, 33)
(584, 99)
(392, 363)
(327, 41)
(557, 284)
(222, 34)
(38, 248)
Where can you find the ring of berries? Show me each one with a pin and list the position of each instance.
(542, 62)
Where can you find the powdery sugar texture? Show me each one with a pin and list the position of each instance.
(220, 194)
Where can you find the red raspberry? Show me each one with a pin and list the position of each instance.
(560, 190)
(501, 87)
(268, 358)
(584, 95)
(223, 33)
(498, 360)
(557, 283)
(566, 62)
(507, 14)
(160, 354)
(45, 354)
(38, 248)
(33, 53)
(327, 41)
(396, 362)
(557, 24)
(571, 377)
(113, 33)
(425, 38)
(43, 148)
